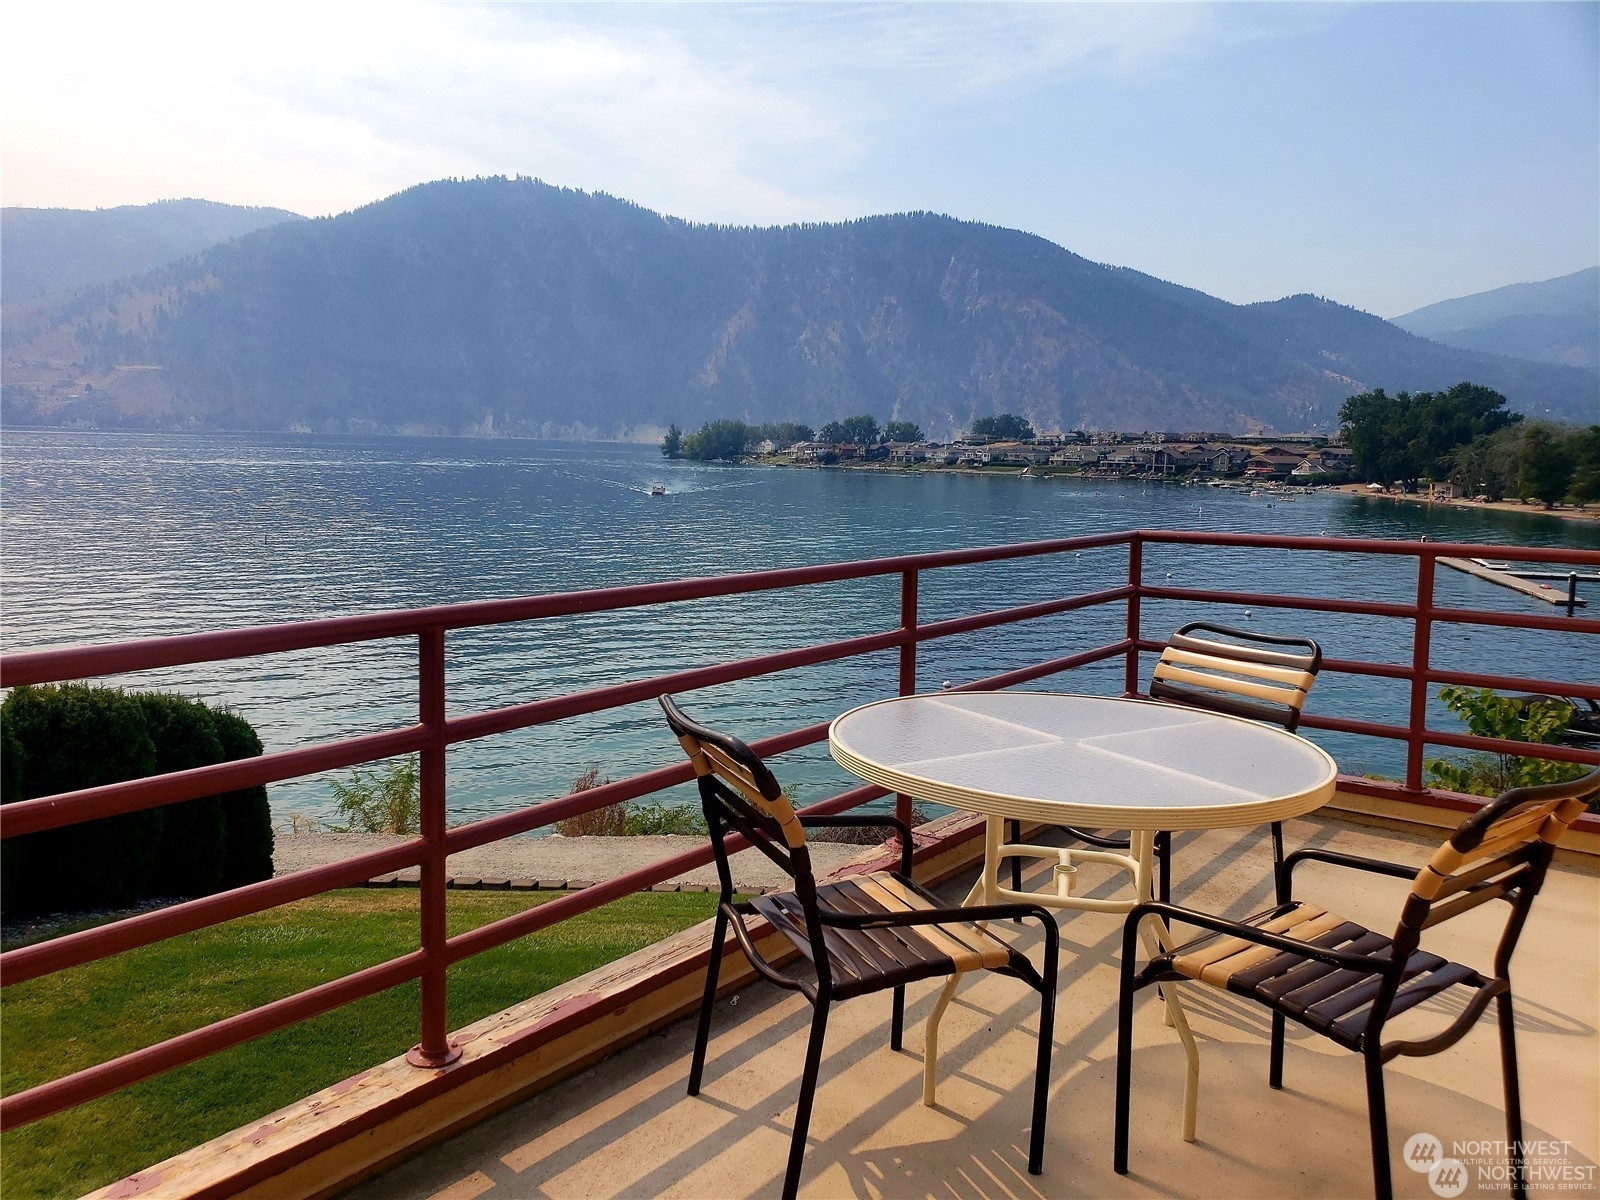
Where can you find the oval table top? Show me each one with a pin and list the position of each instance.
(1091, 761)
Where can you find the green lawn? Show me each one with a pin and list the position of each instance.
(52, 1026)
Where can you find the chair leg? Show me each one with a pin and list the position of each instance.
(1124, 1064)
(1508, 1067)
(1014, 832)
(1378, 1119)
(708, 1001)
(1277, 863)
(1163, 849)
(1041, 1079)
(897, 1023)
(808, 1089)
(1275, 1064)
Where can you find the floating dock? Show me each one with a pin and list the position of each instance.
(1553, 594)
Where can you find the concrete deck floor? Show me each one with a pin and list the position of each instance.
(626, 1128)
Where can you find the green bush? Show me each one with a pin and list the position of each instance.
(1489, 714)
(641, 820)
(75, 737)
(67, 737)
(246, 815)
(193, 837)
(387, 799)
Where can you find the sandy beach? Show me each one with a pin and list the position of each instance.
(1567, 512)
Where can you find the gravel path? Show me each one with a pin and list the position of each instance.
(554, 860)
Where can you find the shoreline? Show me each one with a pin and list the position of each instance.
(1583, 513)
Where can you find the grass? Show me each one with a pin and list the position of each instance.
(52, 1026)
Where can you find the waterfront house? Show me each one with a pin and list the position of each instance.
(905, 453)
(1076, 456)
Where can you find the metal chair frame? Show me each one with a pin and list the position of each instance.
(756, 808)
(1512, 849)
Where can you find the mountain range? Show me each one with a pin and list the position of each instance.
(1555, 320)
(50, 251)
(494, 306)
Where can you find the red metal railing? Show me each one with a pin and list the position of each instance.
(434, 732)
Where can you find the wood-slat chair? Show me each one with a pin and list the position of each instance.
(867, 933)
(1259, 676)
(1345, 982)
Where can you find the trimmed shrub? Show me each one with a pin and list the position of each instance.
(75, 737)
(193, 836)
(247, 817)
(68, 737)
(11, 759)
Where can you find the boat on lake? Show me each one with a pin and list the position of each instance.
(658, 489)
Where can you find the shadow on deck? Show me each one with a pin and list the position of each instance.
(626, 1128)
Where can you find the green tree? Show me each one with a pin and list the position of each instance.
(1488, 465)
(782, 434)
(1546, 468)
(852, 431)
(672, 444)
(1004, 428)
(1586, 465)
(1407, 437)
(717, 440)
(1489, 714)
(902, 431)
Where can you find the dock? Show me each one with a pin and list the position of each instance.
(1550, 595)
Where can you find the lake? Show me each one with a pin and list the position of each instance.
(108, 537)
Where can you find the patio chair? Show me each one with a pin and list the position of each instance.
(1345, 982)
(865, 933)
(1259, 676)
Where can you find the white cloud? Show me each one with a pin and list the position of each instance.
(717, 113)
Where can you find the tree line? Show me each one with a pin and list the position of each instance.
(1465, 436)
(727, 439)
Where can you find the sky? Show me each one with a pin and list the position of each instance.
(1385, 156)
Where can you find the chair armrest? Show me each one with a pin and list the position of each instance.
(1354, 861)
(847, 820)
(1369, 965)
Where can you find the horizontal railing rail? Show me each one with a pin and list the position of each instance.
(434, 733)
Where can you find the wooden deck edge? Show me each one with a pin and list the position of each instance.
(1355, 802)
(343, 1134)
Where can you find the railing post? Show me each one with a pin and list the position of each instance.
(1130, 678)
(435, 1049)
(908, 663)
(1421, 655)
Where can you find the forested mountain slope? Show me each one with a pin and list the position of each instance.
(510, 306)
(45, 251)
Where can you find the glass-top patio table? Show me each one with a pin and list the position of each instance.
(1085, 761)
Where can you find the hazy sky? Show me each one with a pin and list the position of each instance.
(1384, 155)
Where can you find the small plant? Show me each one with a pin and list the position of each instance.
(1489, 714)
(610, 821)
(645, 820)
(385, 800)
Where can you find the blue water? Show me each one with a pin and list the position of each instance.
(107, 537)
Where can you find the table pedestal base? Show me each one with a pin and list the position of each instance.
(1154, 933)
